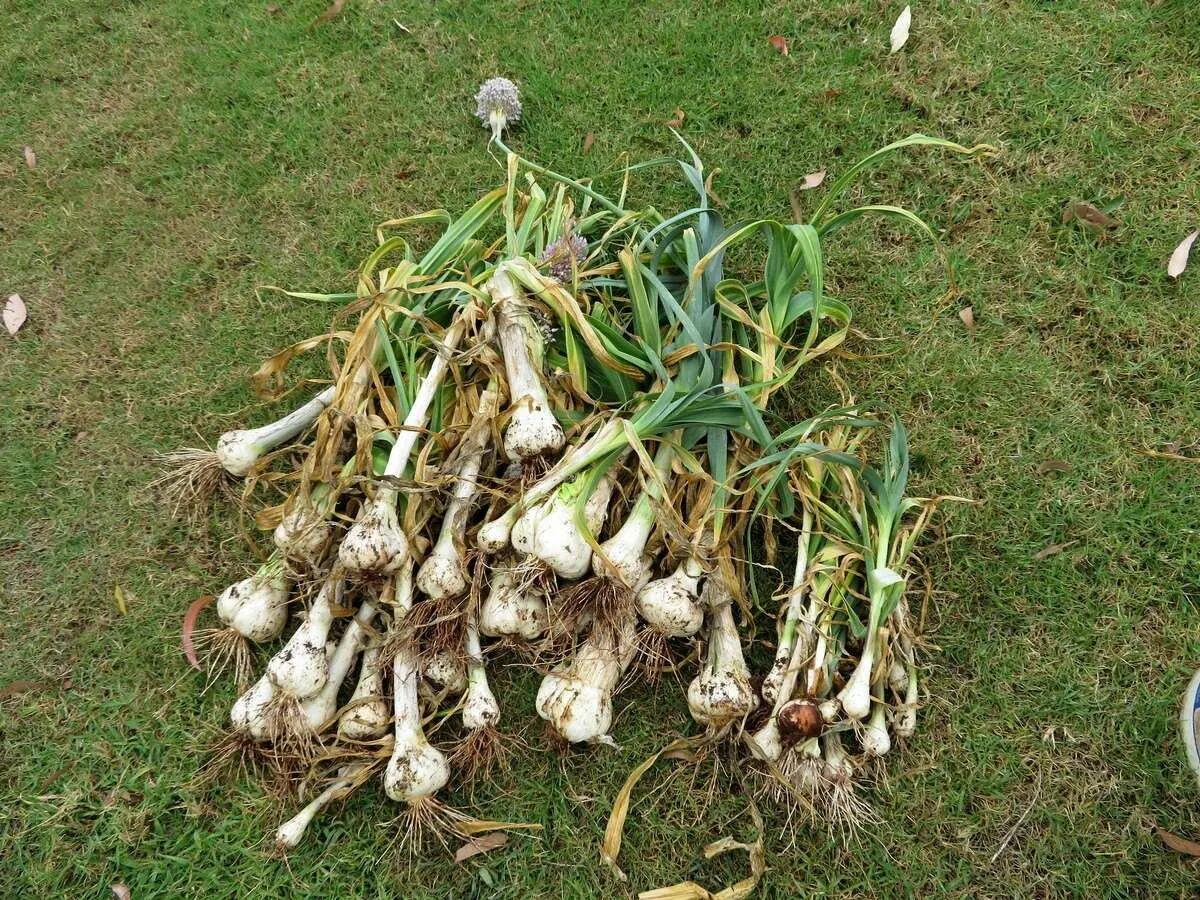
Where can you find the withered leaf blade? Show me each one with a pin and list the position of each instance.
(1053, 549)
(1179, 258)
(779, 42)
(189, 625)
(1088, 215)
(15, 313)
(588, 140)
(967, 315)
(273, 9)
(1046, 466)
(677, 122)
(30, 157)
(1177, 843)
(483, 844)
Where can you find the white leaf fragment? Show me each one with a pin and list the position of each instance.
(900, 29)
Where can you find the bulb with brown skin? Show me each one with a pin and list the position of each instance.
(799, 720)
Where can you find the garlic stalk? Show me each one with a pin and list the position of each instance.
(576, 698)
(239, 450)
(856, 695)
(721, 693)
(366, 715)
(480, 709)
(623, 556)
(301, 668)
(443, 574)
(291, 832)
(510, 610)
(256, 607)
(319, 709)
(416, 770)
(376, 545)
(533, 430)
(789, 637)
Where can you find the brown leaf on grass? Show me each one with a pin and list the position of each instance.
(1177, 843)
(813, 180)
(24, 686)
(30, 157)
(1179, 259)
(189, 625)
(331, 12)
(120, 891)
(588, 140)
(1088, 215)
(1046, 466)
(405, 174)
(273, 9)
(15, 313)
(484, 844)
(779, 42)
(1052, 550)
(830, 93)
(677, 122)
(967, 314)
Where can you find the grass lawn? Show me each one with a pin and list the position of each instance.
(187, 152)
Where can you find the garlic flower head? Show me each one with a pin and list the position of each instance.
(498, 104)
(564, 255)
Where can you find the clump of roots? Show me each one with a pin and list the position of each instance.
(423, 820)
(295, 745)
(481, 753)
(438, 627)
(603, 602)
(654, 655)
(222, 650)
(234, 755)
(192, 479)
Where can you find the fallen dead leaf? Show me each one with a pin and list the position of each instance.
(15, 313)
(273, 9)
(484, 844)
(813, 180)
(120, 891)
(900, 29)
(1052, 550)
(1177, 843)
(830, 93)
(30, 157)
(1046, 466)
(331, 12)
(779, 42)
(24, 686)
(405, 174)
(1088, 215)
(1179, 259)
(967, 314)
(189, 625)
(121, 599)
(588, 140)
(677, 122)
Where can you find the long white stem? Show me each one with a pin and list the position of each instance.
(240, 449)
(533, 430)
(291, 832)
(480, 709)
(416, 770)
(319, 709)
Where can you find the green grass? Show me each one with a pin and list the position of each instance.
(190, 151)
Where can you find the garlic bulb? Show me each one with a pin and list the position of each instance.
(301, 668)
(318, 710)
(525, 528)
(721, 693)
(671, 605)
(480, 709)
(875, 739)
(576, 698)
(417, 770)
(250, 714)
(558, 540)
(239, 450)
(305, 529)
(509, 611)
(442, 675)
(256, 607)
